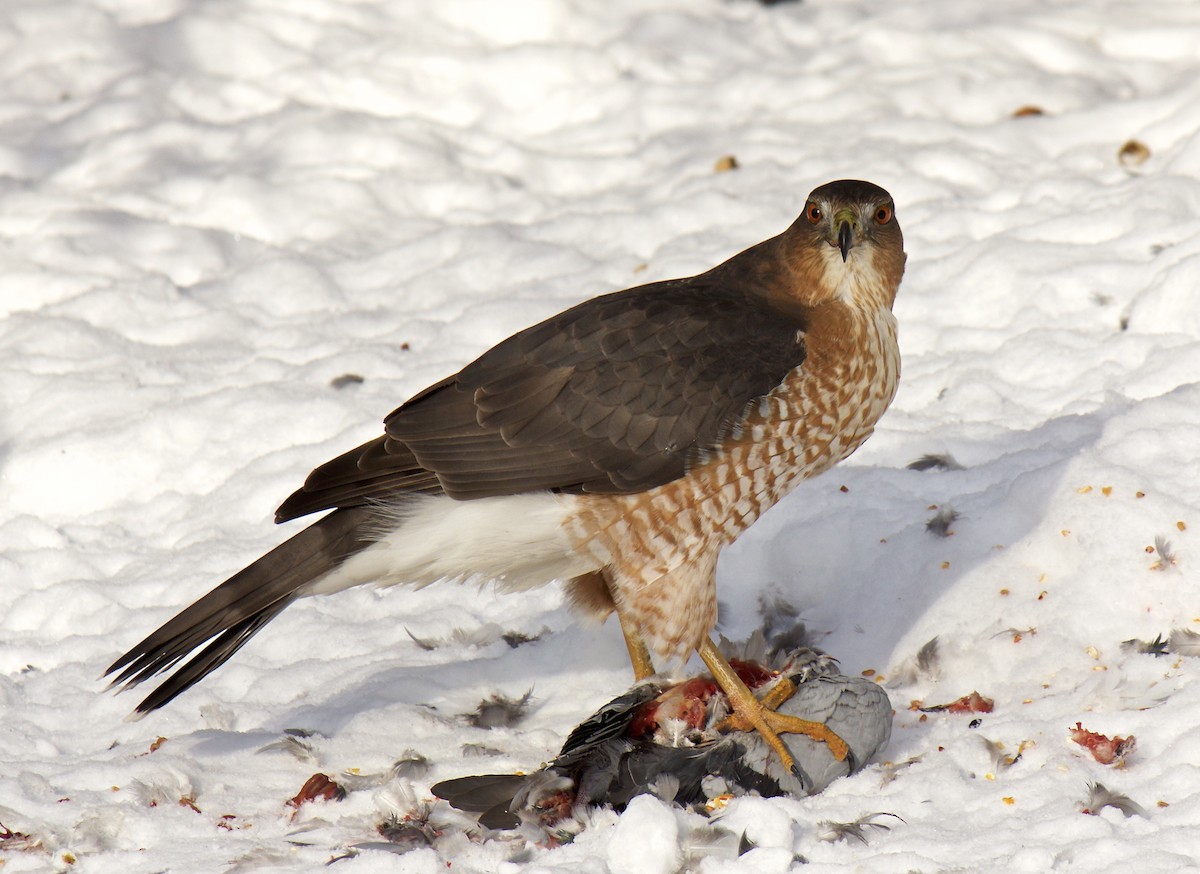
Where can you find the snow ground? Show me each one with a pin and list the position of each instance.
(211, 211)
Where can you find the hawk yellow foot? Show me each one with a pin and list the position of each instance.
(751, 714)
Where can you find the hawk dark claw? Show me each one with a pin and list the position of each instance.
(618, 445)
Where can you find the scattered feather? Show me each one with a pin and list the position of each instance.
(1185, 642)
(217, 718)
(710, 841)
(832, 832)
(354, 850)
(1105, 750)
(997, 751)
(409, 832)
(1100, 796)
(1156, 647)
(427, 645)
(753, 649)
(940, 524)
(1017, 634)
(309, 827)
(665, 787)
(518, 638)
(411, 765)
(925, 665)
(795, 636)
(169, 788)
(500, 711)
(294, 746)
(891, 770)
(776, 611)
(773, 653)
(479, 751)
(1166, 557)
(355, 781)
(481, 636)
(398, 799)
(346, 380)
(98, 831)
(933, 461)
(782, 629)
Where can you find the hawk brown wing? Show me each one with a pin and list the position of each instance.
(616, 395)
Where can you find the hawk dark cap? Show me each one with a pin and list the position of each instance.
(618, 446)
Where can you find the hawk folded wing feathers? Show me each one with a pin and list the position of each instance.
(613, 396)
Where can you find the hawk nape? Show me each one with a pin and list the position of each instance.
(617, 446)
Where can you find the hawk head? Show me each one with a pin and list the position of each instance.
(847, 245)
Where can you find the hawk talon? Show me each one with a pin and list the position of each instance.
(781, 723)
(801, 777)
(851, 760)
(770, 702)
(751, 714)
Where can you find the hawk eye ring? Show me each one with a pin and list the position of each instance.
(813, 212)
(883, 215)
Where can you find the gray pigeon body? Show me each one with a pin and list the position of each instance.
(662, 738)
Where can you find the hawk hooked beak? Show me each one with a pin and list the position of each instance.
(845, 237)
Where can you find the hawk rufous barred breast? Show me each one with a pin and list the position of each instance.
(618, 446)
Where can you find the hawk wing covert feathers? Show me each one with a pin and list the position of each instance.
(613, 396)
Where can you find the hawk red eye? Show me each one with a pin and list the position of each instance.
(883, 215)
(813, 212)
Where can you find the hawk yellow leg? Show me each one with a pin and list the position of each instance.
(639, 653)
(751, 714)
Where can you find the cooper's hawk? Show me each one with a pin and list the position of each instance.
(618, 446)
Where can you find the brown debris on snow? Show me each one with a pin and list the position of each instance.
(318, 786)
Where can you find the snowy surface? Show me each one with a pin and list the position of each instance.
(211, 211)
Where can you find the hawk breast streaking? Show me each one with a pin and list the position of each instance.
(618, 446)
